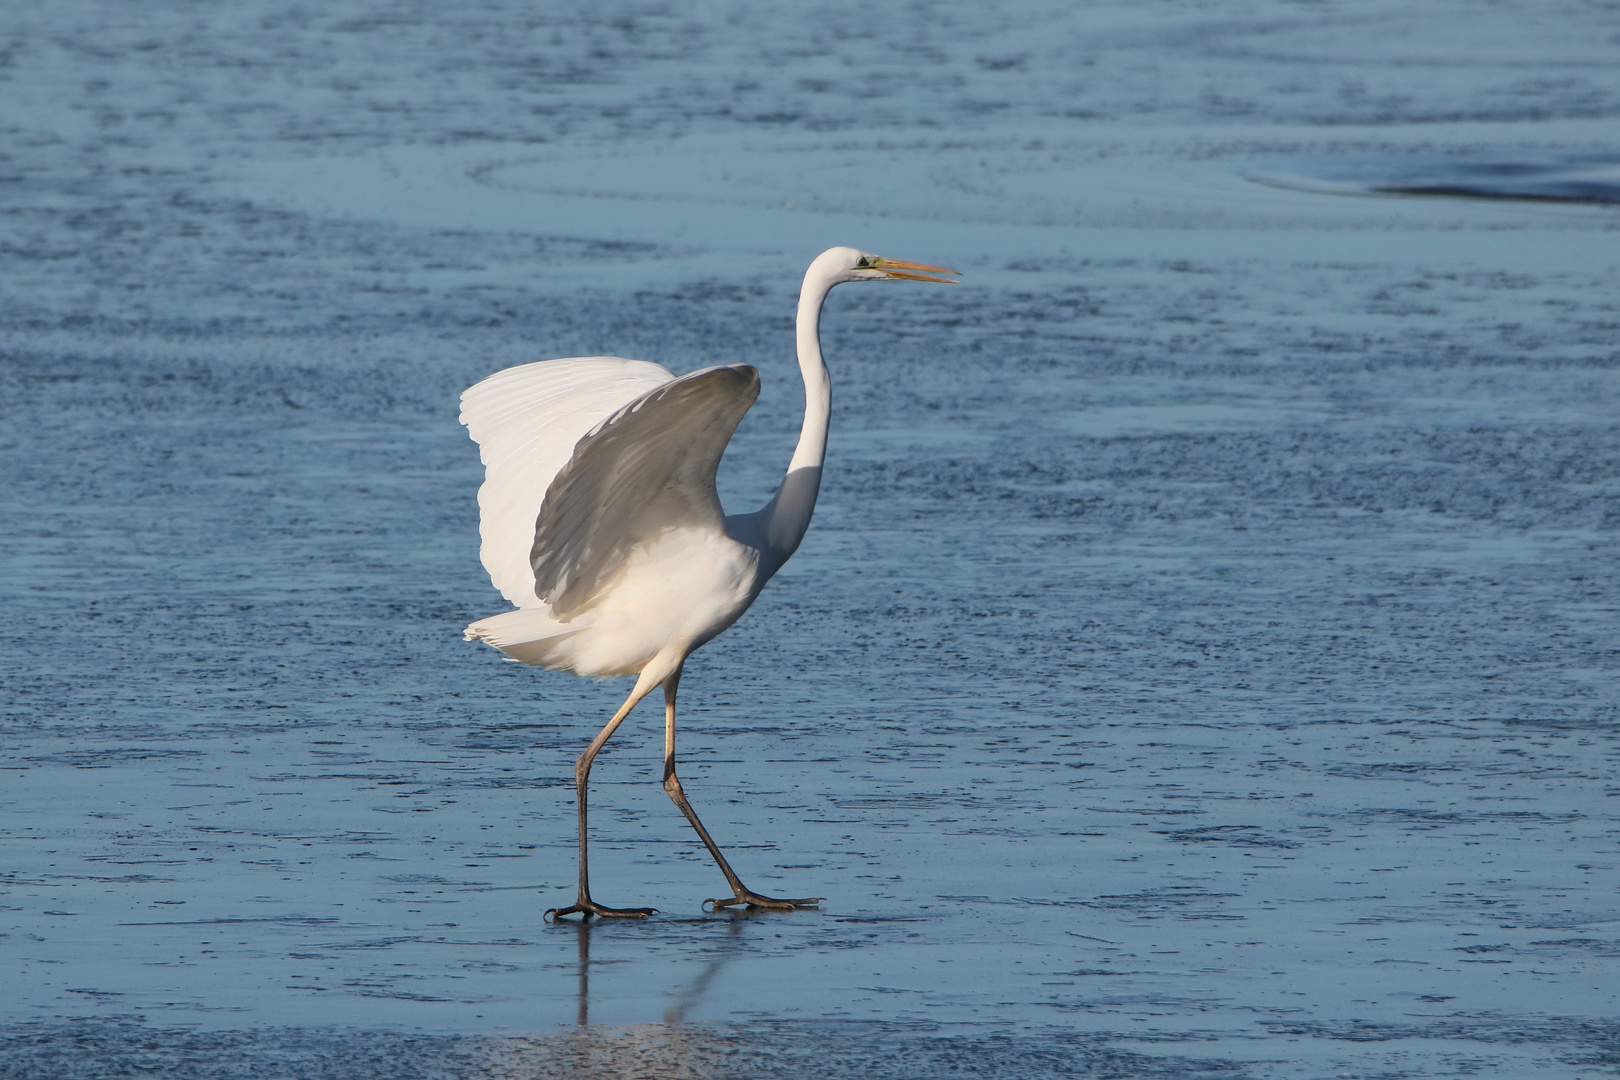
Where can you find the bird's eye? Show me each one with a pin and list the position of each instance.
(864, 262)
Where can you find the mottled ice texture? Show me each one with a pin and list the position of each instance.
(1203, 661)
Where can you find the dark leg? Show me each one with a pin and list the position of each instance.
(672, 784)
(585, 906)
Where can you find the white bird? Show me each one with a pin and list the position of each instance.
(600, 520)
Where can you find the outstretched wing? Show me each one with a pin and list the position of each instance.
(526, 421)
(646, 469)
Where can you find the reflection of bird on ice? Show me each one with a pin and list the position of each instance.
(597, 1052)
(601, 523)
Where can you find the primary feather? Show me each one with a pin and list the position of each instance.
(526, 421)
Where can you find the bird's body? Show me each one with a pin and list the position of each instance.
(639, 565)
(600, 521)
(673, 595)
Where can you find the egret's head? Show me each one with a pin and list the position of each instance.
(847, 264)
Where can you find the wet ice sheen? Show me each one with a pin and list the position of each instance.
(1201, 664)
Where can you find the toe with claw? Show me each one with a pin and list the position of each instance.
(585, 907)
(747, 898)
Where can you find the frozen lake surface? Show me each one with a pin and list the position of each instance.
(1202, 663)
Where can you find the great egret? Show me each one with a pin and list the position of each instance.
(600, 521)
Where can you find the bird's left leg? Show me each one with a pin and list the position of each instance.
(672, 785)
(585, 907)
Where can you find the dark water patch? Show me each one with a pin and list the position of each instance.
(371, 943)
(1574, 920)
(388, 992)
(1592, 180)
(101, 759)
(389, 779)
(287, 920)
(1436, 819)
(1185, 902)
(1383, 769)
(1602, 1036)
(1157, 811)
(1588, 182)
(1597, 946)
(1236, 835)
(1604, 718)
(519, 782)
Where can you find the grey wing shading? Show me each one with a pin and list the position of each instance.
(646, 469)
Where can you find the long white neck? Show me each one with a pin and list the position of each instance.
(812, 449)
(782, 523)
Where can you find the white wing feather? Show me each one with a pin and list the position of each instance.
(526, 421)
(647, 469)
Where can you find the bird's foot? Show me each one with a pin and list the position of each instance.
(747, 898)
(585, 907)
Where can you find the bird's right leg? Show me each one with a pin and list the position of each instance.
(584, 905)
(743, 895)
